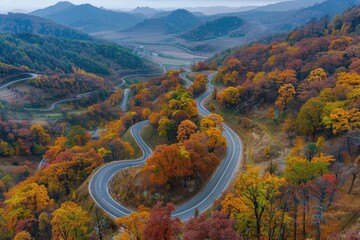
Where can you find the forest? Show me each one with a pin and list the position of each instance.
(47, 53)
(304, 88)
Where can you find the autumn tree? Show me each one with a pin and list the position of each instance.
(216, 141)
(39, 137)
(344, 120)
(318, 74)
(28, 202)
(324, 192)
(255, 202)
(230, 97)
(44, 224)
(160, 225)
(134, 223)
(70, 222)
(300, 171)
(168, 162)
(167, 128)
(23, 235)
(56, 149)
(286, 96)
(185, 130)
(77, 136)
(199, 85)
(309, 119)
(202, 161)
(211, 121)
(216, 227)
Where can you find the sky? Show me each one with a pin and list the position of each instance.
(26, 5)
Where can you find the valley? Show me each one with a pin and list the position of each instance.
(190, 123)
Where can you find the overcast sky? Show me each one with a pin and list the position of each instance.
(9, 5)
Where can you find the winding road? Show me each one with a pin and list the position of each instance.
(99, 182)
(32, 76)
(184, 77)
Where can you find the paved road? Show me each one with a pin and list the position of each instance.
(53, 106)
(33, 75)
(125, 99)
(184, 77)
(99, 190)
(163, 69)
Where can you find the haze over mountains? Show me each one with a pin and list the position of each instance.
(88, 18)
(193, 30)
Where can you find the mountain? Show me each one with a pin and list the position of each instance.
(269, 23)
(213, 29)
(146, 11)
(22, 23)
(52, 9)
(327, 8)
(219, 9)
(176, 22)
(47, 53)
(288, 5)
(90, 19)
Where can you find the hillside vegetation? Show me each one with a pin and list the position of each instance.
(23, 23)
(214, 29)
(177, 21)
(43, 53)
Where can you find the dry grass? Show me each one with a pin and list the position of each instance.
(132, 188)
(256, 133)
(127, 137)
(152, 138)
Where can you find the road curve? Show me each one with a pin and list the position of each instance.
(99, 182)
(32, 76)
(184, 77)
(163, 69)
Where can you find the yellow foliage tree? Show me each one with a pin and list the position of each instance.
(185, 130)
(23, 235)
(318, 74)
(255, 201)
(70, 222)
(286, 96)
(134, 224)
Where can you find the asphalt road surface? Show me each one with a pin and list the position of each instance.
(33, 75)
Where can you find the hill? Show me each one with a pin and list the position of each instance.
(22, 23)
(214, 29)
(176, 22)
(52, 9)
(288, 5)
(146, 11)
(46, 53)
(88, 18)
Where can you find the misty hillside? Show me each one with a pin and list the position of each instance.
(22, 23)
(88, 18)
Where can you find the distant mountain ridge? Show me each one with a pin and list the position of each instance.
(23, 23)
(52, 9)
(146, 11)
(88, 18)
(176, 22)
(288, 5)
